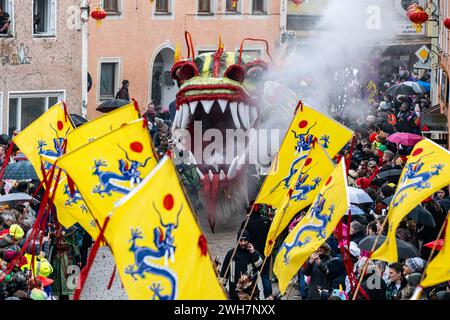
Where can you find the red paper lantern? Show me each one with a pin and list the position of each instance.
(297, 1)
(419, 17)
(98, 14)
(447, 23)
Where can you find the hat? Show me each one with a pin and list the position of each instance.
(326, 247)
(415, 264)
(354, 250)
(245, 236)
(45, 281)
(381, 137)
(382, 148)
(363, 183)
(372, 137)
(16, 231)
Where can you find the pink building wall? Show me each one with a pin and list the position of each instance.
(137, 36)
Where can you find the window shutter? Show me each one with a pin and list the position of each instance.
(52, 29)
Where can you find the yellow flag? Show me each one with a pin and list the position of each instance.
(101, 126)
(427, 170)
(45, 136)
(312, 231)
(158, 247)
(305, 186)
(111, 166)
(438, 270)
(309, 125)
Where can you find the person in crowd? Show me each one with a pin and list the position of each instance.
(245, 259)
(123, 93)
(413, 265)
(4, 22)
(357, 232)
(315, 269)
(397, 281)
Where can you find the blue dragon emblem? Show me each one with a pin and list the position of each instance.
(57, 150)
(301, 190)
(73, 199)
(145, 258)
(108, 179)
(413, 178)
(320, 230)
(304, 143)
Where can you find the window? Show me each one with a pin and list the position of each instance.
(109, 79)
(254, 54)
(6, 18)
(259, 6)
(233, 6)
(204, 6)
(162, 6)
(24, 108)
(111, 6)
(44, 21)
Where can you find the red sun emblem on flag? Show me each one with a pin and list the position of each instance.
(168, 202)
(417, 152)
(303, 124)
(60, 125)
(136, 146)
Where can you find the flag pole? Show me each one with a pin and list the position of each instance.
(366, 264)
(419, 289)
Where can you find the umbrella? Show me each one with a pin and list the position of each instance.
(401, 89)
(416, 87)
(425, 85)
(405, 250)
(111, 105)
(77, 120)
(439, 244)
(19, 196)
(419, 214)
(358, 196)
(389, 175)
(406, 139)
(21, 170)
(355, 210)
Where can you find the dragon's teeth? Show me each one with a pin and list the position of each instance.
(211, 175)
(247, 115)
(200, 174)
(179, 115)
(223, 105)
(176, 120)
(207, 105)
(193, 106)
(185, 116)
(243, 116)
(253, 116)
(232, 170)
(234, 114)
(222, 175)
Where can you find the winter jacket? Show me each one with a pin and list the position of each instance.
(41, 266)
(258, 227)
(319, 277)
(392, 293)
(374, 286)
(357, 237)
(243, 262)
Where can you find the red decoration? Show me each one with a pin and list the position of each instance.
(308, 162)
(328, 181)
(303, 124)
(60, 125)
(447, 23)
(234, 3)
(419, 17)
(168, 202)
(203, 245)
(98, 14)
(417, 152)
(136, 146)
(297, 2)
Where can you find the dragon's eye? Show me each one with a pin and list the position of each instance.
(255, 70)
(184, 71)
(235, 72)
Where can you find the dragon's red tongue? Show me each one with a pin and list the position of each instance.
(211, 192)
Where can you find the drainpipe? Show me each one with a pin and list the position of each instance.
(84, 58)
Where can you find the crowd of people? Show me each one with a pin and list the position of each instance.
(324, 275)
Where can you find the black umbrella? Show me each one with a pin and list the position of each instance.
(111, 105)
(21, 170)
(389, 175)
(401, 89)
(405, 250)
(77, 120)
(419, 214)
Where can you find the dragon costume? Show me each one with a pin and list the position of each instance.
(223, 91)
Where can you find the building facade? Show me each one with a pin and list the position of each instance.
(137, 41)
(40, 59)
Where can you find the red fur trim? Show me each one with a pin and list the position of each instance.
(180, 64)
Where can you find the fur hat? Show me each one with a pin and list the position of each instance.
(381, 137)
